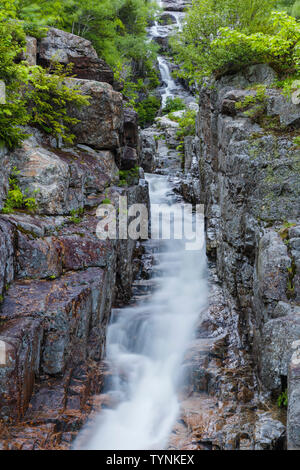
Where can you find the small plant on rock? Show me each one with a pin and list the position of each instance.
(76, 215)
(282, 400)
(16, 199)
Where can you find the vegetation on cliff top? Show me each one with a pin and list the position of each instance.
(117, 29)
(222, 36)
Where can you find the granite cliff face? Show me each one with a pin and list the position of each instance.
(249, 177)
(58, 281)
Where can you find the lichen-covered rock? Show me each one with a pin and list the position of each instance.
(101, 123)
(275, 345)
(47, 178)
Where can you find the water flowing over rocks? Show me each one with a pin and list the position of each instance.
(59, 282)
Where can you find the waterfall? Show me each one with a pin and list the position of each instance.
(147, 342)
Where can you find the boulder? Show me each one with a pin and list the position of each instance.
(22, 338)
(67, 309)
(129, 158)
(68, 48)
(269, 433)
(283, 107)
(101, 123)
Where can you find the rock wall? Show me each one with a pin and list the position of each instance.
(58, 280)
(249, 176)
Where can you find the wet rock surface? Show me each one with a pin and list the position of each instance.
(58, 280)
(249, 184)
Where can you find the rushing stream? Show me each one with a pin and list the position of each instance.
(147, 342)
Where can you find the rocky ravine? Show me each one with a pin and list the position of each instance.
(58, 281)
(246, 172)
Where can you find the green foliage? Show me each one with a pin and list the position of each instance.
(33, 95)
(187, 124)
(106, 200)
(282, 400)
(15, 198)
(173, 104)
(147, 110)
(254, 106)
(203, 22)
(49, 99)
(292, 7)
(297, 141)
(222, 36)
(12, 114)
(76, 215)
(280, 48)
(129, 177)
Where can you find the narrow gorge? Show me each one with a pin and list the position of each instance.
(142, 344)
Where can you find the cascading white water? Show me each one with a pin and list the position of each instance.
(147, 342)
(170, 85)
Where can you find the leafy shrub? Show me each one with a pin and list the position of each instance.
(282, 400)
(187, 126)
(203, 22)
(13, 113)
(280, 49)
(129, 177)
(48, 100)
(173, 104)
(15, 198)
(76, 215)
(147, 110)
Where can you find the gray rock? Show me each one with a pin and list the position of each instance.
(280, 105)
(269, 433)
(276, 349)
(282, 309)
(102, 122)
(66, 48)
